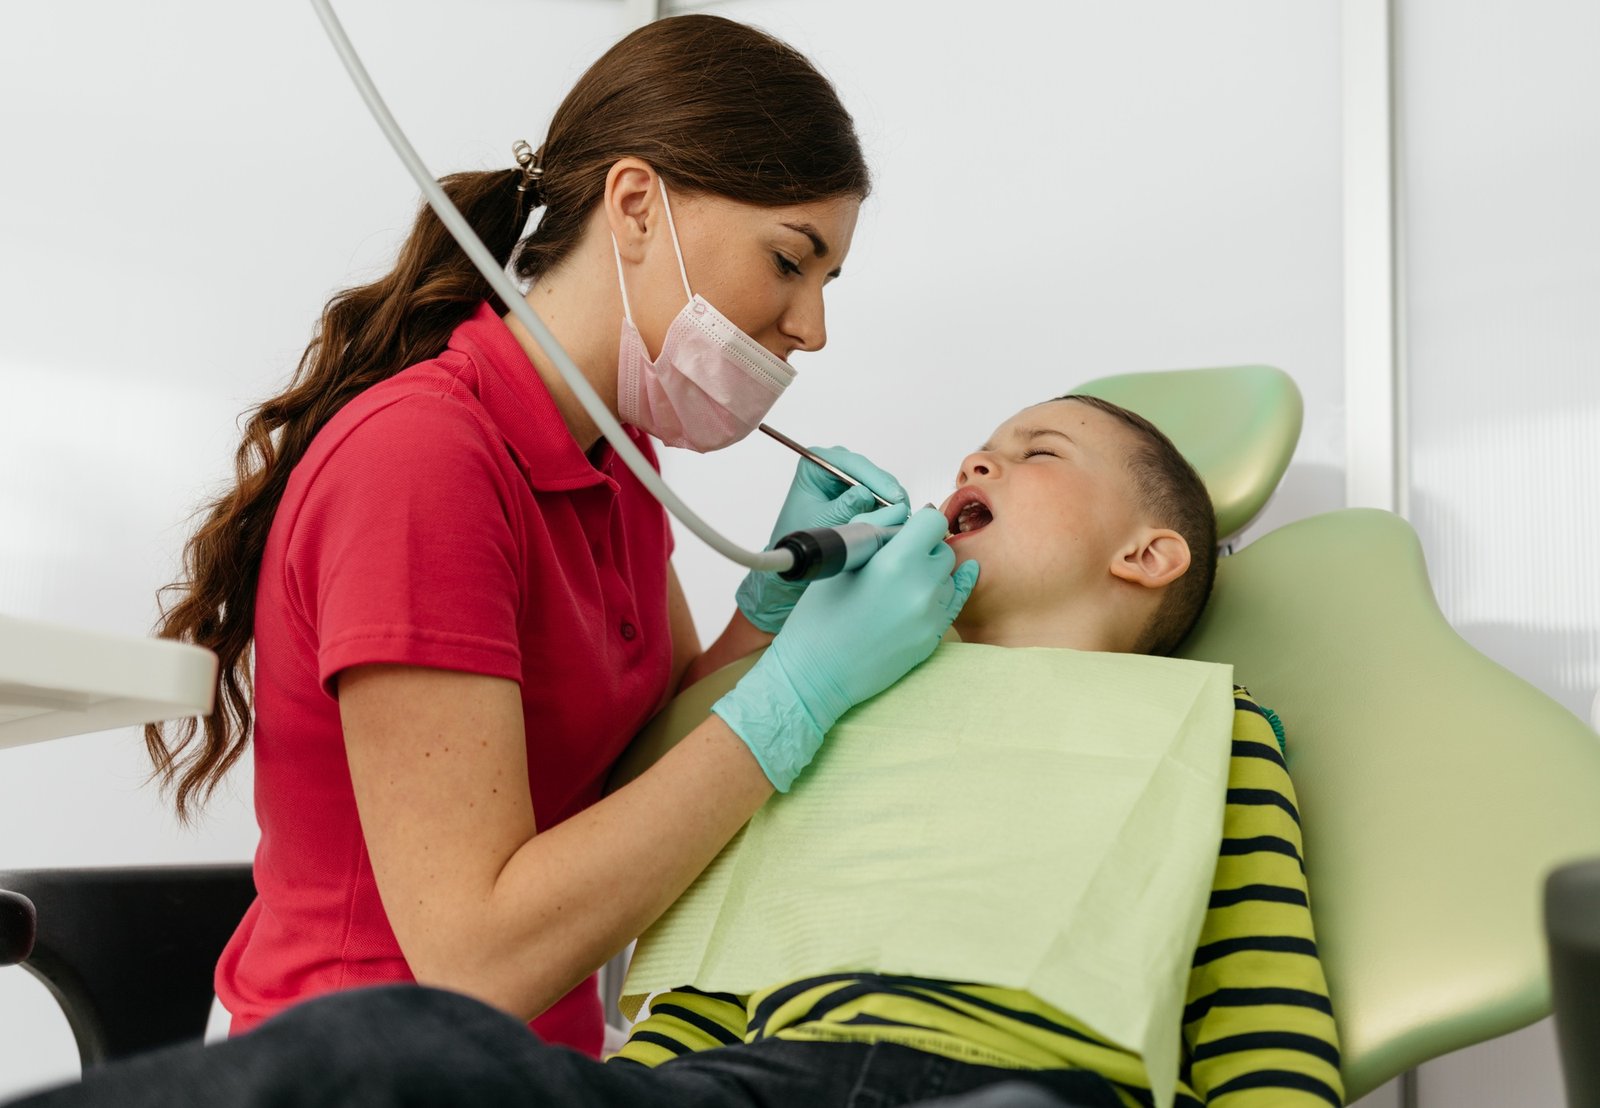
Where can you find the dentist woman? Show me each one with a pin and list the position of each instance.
(460, 610)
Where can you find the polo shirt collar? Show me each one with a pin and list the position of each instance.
(522, 407)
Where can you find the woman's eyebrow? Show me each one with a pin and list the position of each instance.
(817, 242)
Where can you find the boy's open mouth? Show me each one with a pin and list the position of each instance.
(968, 511)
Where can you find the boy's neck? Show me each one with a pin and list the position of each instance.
(1069, 630)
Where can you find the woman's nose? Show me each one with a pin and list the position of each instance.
(805, 323)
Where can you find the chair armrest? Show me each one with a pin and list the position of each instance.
(1572, 926)
(19, 924)
(129, 952)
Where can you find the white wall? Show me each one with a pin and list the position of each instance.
(1501, 113)
(1064, 191)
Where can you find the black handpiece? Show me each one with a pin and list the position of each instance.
(825, 551)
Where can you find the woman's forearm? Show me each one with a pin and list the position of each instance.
(739, 638)
(485, 899)
(574, 895)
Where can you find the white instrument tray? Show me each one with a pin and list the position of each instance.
(57, 681)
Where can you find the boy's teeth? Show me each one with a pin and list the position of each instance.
(965, 518)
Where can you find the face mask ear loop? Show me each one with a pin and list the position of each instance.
(627, 312)
(676, 249)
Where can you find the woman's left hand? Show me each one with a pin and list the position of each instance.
(816, 499)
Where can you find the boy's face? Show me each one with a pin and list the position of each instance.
(1043, 507)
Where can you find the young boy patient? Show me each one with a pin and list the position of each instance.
(1091, 533)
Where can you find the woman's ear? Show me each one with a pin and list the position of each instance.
(1156, 559)
(631, 191)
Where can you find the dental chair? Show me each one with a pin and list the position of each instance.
(1437, 789)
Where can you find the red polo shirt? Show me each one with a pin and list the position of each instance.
(445, 518)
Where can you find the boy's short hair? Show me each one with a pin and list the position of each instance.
(1172, 494)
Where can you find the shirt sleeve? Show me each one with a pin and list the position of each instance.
(1258, 1025)
(406, 548)
(681, 1022)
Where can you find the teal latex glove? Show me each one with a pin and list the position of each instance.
(849, 638)
(816, 499)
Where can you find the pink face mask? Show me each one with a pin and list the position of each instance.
(712, 384)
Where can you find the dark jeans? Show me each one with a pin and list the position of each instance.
(405, 1045)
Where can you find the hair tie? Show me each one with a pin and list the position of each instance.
(532, 172)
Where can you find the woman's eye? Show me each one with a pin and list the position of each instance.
(785, 265)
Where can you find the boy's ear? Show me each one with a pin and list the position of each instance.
(1156, 559)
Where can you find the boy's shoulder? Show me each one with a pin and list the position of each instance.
(1246, 708)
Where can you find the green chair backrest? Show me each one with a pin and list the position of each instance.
(1437, 789)
(1237, 425)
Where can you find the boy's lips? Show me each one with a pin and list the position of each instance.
(967, 511)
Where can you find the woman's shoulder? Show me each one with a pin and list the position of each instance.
(415, 416)
(437, 391)
(412, 444)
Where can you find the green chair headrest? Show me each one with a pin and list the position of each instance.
(1237, 425)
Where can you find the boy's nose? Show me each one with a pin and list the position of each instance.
(981, 464)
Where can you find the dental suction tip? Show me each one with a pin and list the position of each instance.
(811, 457)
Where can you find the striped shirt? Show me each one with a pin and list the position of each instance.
(1258, 1028)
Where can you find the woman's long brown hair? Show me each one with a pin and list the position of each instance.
(715, 106)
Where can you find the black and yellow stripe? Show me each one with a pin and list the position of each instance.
(1258, 1028)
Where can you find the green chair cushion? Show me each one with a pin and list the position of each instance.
(1237, 425)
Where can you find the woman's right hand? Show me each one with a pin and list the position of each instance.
(849, 638)
(816, 499)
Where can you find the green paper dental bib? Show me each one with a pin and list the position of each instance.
(1037, 819)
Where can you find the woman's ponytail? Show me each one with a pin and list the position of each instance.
(366, 334)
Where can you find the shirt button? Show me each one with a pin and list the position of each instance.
(629, 630)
